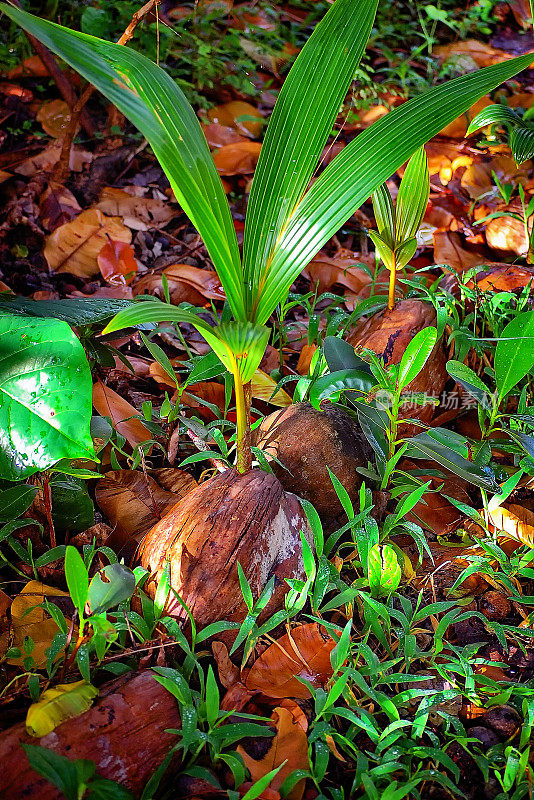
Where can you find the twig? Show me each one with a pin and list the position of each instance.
(47, 495)
(201, 445)
(78, 107)
(61, 80)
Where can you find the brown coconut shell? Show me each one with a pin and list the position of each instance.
(307, 442)
(388, 334)
(228, 519)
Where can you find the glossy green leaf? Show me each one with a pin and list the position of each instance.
(238, 345)
(45, 396)
(514, 354)
(61, 772)
(424, 445)
(300, 124)
(15, 501)
(72, 507)
(77, 578)
(75, 312)
(342, 381)
(520, 132)
(412, 198)
(156, 105)
(365, 164)
(470, 381)
(341, 355)
(112, 585)
(383, 570)
(416, 354)
(384, 212)
(404, 252)
(382, 248)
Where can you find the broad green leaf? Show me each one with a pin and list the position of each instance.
(300, 124)
(382, 248)
(384, 212)
(383, 570)
(416, 354)
(77, 578)
(404, 252)
(412, 198)
(15, 501)
(470, 382)
(342, 381)
(45, 396)
(366, 163)
(112, 585)
(514, 354)
(56, 705)
(425, 446)
(72, 507)
(238, 345)
(155, 104)
(64, 774)
(75, 312)
(341, 355)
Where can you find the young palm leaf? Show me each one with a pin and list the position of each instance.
(520, 131)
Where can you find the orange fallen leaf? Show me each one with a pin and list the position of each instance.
(289, 744)
(326, 271)
(263, 387)
(220, 135)
(237, 159)
(483, 55)
(305, 654)
(57, 206)
(458, 127)
(74, 246)
(236, 114)
(110, 404)
(54, 116)
(448, 250)
(205, 281)
(515, 522)
(33, 65)
(117, 262)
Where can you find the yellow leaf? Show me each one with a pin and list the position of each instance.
(65, 701)
(262, 388)
(34, 623)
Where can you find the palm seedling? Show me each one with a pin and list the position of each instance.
(288, 220)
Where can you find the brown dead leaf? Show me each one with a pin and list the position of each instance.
(49, 157)
(505, 278)
(54, 116)
(522, 12)
(289, 744)
(220, 135)
(133, 502)
(58, 206)
(31, 66)
(236, 114)
(306, 653)
(506, 233)
(448, 250)
(515, 522)
(74, 246)
(305, 357)
(36, 624)
(205, 281)
(247, 17)
(325, 271)
(237, 159)
(117, 263)
(482, 54)
(138, 213)
(444, 158)
(110, 404)
(478, 180)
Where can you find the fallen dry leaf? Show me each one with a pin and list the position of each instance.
(49, 157)
(54, 116)
(33, 65)
(263, 387)
(515, 521)
(478, 179)
(117, 263)
(482, 54)
(58, 206)
(138, 213)
(110, 404)
(306, 654)
(506, 233)
(444, 158)
(36, 624)
(205, 281)
(134, 503)
(289, 744)
(325, 271)
(458, 127)
(236, 114)
(220, 135)
(505, 278)
(449, 252)
(237, 159)
(74, 246)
